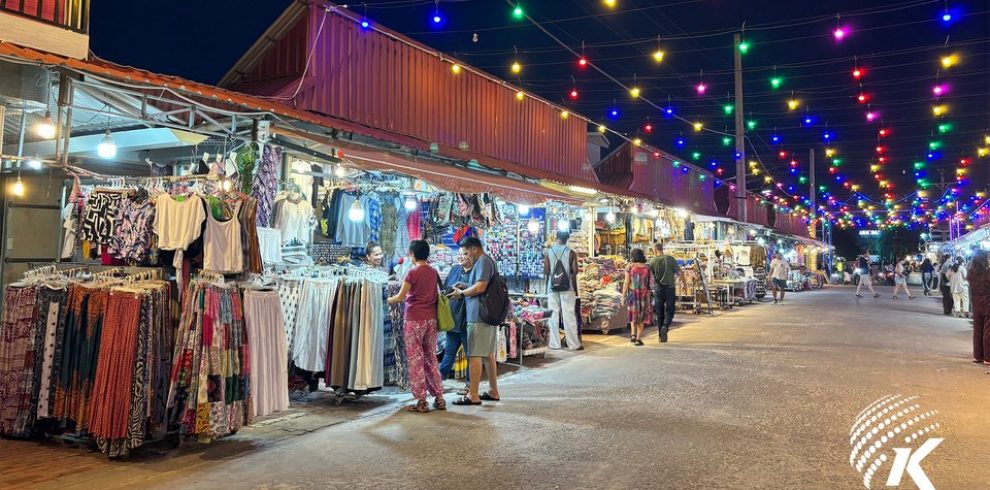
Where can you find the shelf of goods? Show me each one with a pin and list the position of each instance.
(600, 287)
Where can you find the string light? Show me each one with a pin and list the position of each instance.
(610, 3)
(939, 110)
(582, 62)
(858, 73)
(648, 128)
(776, 82)
(564, 114)
(698, 126)
(365, 24)
(455, 68)
(701, 88)
(940, 89)
(520, 95)
(728, 108)
(840, 33)
(518, 12)
(516, 67)
(634, 92)
(949, 61)
(602, 128)
(637, 142)
(862, 98)
(658, 56)
(871, 116)
(744, 47)
(792, 104)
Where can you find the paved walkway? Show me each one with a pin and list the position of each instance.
(761, 397)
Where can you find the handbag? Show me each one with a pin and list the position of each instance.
(445, 318)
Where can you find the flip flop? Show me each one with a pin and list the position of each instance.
(465, 401)
(488, 398)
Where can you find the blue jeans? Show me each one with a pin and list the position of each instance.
(454, 341)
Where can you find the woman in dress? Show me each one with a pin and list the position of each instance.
(419, 291)
(979, 290)
(636, 290)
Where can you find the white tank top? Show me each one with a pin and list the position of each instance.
(222, 250)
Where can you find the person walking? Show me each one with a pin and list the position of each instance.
(900, 279)
(865, 279)
(419, 291)
(779, 270)
(636, 289)
(560, 267)
(979, 291)
(457, 336)
(927, 275)
(959, 285)
(943, 284)
(665, 270)
(482, 338)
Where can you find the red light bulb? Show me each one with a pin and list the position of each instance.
(783, 154)
(857, 73)
(648, 128)
(861, 98)
(574, 93)
(582, 62)
(883, 132)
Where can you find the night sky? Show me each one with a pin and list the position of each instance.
(898, 44)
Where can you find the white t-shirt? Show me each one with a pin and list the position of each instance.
(779, 269)
(178, 223)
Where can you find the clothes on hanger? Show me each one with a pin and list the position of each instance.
(269, 362)
(295, 219)
(222, 250)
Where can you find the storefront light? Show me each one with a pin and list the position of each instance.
(681, 213)
(33, 163)
(610, 216)
(523, 209)
(356, 213)
(18, 187)
(533, 226)
(582, 190)
(410, 204)
(340, 172)
(564, 225)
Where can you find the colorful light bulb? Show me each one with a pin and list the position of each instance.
(858, 73)
(564, 114)
(792, 104)
(949, 61)
(634, 92)
(861, 98)
(602, 128)
(939, 89)
(939, 110)
(573, 94)
(658, 55)
(840, 33)
(698, 126)
(701, 88)
(610, 3)
(776, 82)
(728, 108)
(455, 68)
(520, 95)
(648, 128)
(871, 116)
(516, 67)
(582, 62)
(518, 12)
(744, 47)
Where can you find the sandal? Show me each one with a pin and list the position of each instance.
(465, 401)
(420, 407)
(439, 404)
(488, 397)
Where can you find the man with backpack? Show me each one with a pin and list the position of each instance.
(560, 266)
(487, 306)
(665, 270)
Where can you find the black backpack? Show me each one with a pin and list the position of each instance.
(560, 280)
(494, 303)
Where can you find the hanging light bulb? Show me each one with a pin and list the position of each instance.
(520, 95)
(516, 67)
(701, 88)
(583, 62)
(533, 226)
(949, 61)
(340, 171)
(698, 126)
(523, 209)
(602, 129)
(356, 212)
(107, 148)
(574, 94)
(658, 55)
(456, 68)
(610, 216)
(18, 187)
(45, 128)
(634, 92)
(564, 114)
(563, 225)
(792, 104)
(410, 204)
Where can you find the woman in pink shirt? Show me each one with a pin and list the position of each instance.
(419, 291)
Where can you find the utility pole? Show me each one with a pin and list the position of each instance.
(741, 201)
(814, 192)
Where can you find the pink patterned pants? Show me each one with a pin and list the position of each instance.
(421, 346)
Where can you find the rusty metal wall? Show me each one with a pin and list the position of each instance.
(655, 174)
(369, 78)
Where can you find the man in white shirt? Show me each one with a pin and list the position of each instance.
(779, 270)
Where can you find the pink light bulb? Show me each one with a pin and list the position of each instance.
(701, 88)
(940, 89)
(870, 116)
(839, 33)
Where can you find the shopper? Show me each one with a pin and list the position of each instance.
(943, 284)
(481, 337)
(636, 290)
(419, 291)
(779, 270)
(927, 275)
(959, 286)
(457, 336)
(865, 279)
(665, 270)
(900, 279)
(560, 267)
(979, 290)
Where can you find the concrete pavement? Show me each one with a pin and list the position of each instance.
(761, 397)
